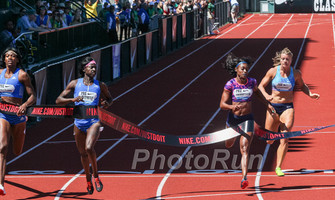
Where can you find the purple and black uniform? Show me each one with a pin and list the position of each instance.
(241, 93)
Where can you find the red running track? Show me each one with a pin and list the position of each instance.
(180, 94)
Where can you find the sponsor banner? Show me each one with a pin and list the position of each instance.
(148, 41)
(304, 6)
(41, 86)
(184, 25)
(127, 127)
(124, 126)
(68, 72)
(174, 28)
(97, 57)
(269, 135)
(133, 53)
(116, 60)
(164, 35)
(53, 111)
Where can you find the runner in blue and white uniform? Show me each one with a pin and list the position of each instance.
(87, 92)
(284, 80)
(240, 90)
(13, 82)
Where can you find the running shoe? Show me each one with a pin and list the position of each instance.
(244, 183)
(279, 172)
(90, 188)
(2, 190)
(98, 184)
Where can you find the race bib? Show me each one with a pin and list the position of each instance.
(88, 97)
(7, 88)
(242, 94)
(283, 86)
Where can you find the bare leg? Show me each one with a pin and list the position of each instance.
(4, 140)
(92, 137)
(19, 135)
(287, 120)
(80, 138)
(272, 123)
(244, 148)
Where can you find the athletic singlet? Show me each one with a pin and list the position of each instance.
(280, 83)
(90, 93)
(11, 87)
(240, 92)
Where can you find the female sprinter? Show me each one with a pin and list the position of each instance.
(86, 131)
(240, 90)
(284, 78)
(13, 82)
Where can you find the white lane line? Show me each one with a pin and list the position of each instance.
(105, 152)
(248, 192)
(46, 140)
(259, 173)
(134, 87)
(60, 192)
(162, 183)
(126, 174)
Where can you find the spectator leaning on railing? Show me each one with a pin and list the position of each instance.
(8, 35)
(180, 9)
(160, 8)
(56, 20)
(189, 6)
(234, 9)
(144, 19)
(76, 19)
(26, 23)
(134, 20)
(42, 19)
(111, 25)
(210, 16)
(124, 20)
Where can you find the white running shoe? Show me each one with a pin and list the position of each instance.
(2, 190)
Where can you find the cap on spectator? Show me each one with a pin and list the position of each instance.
(49, 12)
(61, 12)
(134, 4)
(31, 12)
(151, 3)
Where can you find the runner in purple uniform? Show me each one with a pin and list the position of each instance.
(240, 90)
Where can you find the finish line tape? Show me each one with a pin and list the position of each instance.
(132, 129)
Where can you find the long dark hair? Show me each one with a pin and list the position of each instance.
(232, 61)
(2, 63)
(83, 64)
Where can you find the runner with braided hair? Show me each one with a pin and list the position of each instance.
(240, 90)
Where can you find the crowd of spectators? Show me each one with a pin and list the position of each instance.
(121, 20)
